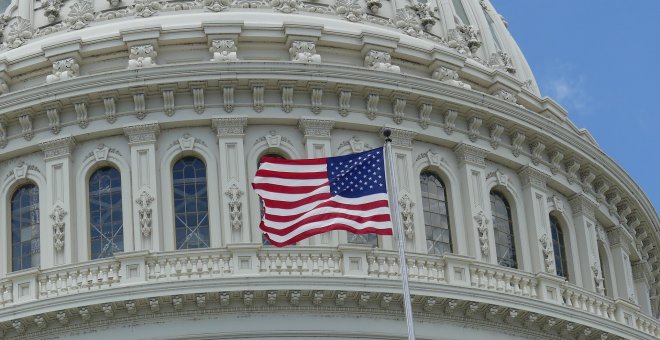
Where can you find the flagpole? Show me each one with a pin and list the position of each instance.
(399, 232)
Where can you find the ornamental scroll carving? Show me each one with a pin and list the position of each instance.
(144, 202)
(223, 50)
(235, 206)
(547, 253)
(57, 216)
(407, 205)
(482, 228)
(141, 56)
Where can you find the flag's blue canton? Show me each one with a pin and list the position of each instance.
(358, 174)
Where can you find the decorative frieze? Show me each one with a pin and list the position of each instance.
(468, 154)
(450, 121)
(286, 6)
(63, 69)
(229, 126)
(142, 55)
(144, 210)
(449, 76)
(424, 109)
(57, 148)
(398, 107)
(81, 114)
(142, 133)
(517, 140)
(548, 255)
(146, 8)
(407, 205)
(223, 50)
(304, 52)
(317, 128)
(344, 101)
(216, 6)
(25, 120)
(380, 61)
(474, 123)
(400, 137)
(57, 217)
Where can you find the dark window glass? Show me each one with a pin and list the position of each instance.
(191, 210)
(559, 247)
(503, 226)
(436, 215)
(105, 213)
(264, 240)
(25, 227)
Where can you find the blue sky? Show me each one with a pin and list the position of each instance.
(601, 61)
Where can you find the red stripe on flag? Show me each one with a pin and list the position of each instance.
(285, 189)
(291, 175)
(327, 204)
(323, 217)
(295, 204)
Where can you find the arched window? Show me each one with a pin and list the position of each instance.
(559, 247)
(191, 207)
(25, 227)
(436, 216)
(503, 226)
(264, 240)
(106, 222)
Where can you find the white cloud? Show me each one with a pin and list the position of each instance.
(569, 89)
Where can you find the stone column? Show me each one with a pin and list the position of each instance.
(147, 229)
(59, 244)
(620, 240)
(538, 224)
(317, 135)
(233, 180)
(476, 204)
(403, 167)
(584, 221)
(641, 273)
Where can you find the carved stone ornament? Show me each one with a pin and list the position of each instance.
(216, 5)
(52, 10)
(450, 121)
(372, 105)
(425, 14)
(598, 278)
(110, 109)
(3, 134)
(229, 126)
(548, 255)
(424, 110)
(187, 142)
(350, 10)
(4, 87)
(506, 96)
(433, 158)
(81, 13)
(304, 52)
(63, 70)
(407, 216)
(500, 177)
(287, 98)
(402, 138)
(316, 128)
(57, 218)
(286, 6)
(501, 60)
(398, 106)
(380, 61)
(407, 21)
(464, 39)
(449, 76)
(142, 56)
(356, 144)
(144, 202)
(81, 115)
(25, 121)
(557, 202)
(235, 211)
(482, 228)
(19, 32)
(146, 8)
(223, 50)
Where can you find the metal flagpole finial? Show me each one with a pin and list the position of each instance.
(387, 133)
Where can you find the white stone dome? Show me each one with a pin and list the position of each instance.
(130, 131)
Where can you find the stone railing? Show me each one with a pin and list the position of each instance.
(479, 279)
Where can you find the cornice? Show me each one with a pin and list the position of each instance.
(57, 148)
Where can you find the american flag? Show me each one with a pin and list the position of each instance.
(307, 197)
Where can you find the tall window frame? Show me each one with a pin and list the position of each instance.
(191, 203)
(106, 219)
(559, 247)
(25, 227)
(505, 238)
(435, 205)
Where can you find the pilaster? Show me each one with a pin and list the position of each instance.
(58, 240)
(146, 228)
(642, 280)
(620, 241)
(317, 135)
(476, 206)
(584, 222)
(233, 182)
(537, 218)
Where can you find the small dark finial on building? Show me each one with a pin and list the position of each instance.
(387, 133)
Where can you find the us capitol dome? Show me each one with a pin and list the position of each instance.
(130, 131)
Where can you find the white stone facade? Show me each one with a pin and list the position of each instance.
(137, 86)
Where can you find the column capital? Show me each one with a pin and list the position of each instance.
(57, 148)
(582, 204)
(227, 126)
(469, 154)
(532, 176)
(641, 271)
(316, 127)
(400, 137)
(142, 133)
(618, 236)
